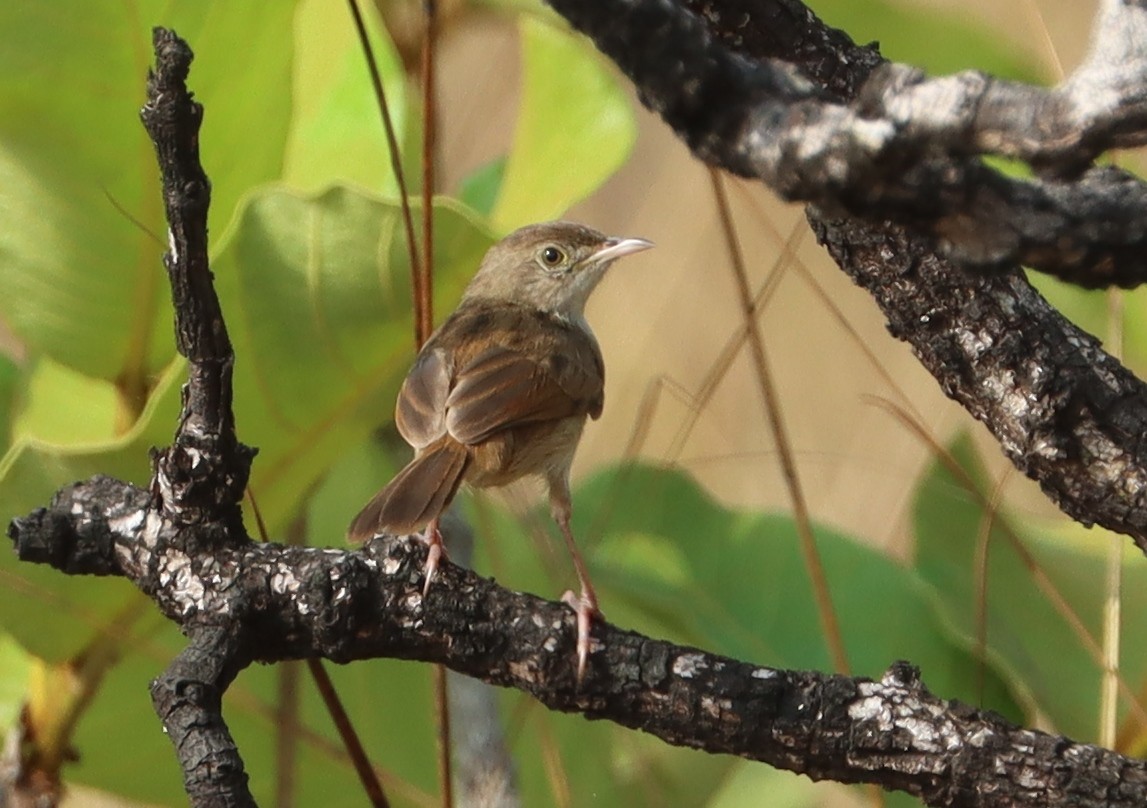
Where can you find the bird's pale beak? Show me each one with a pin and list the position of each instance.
(614, 248)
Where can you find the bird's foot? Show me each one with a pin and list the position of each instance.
(585, 607)
(435, 552)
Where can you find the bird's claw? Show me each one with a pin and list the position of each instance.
(435, 552)
(585, 607)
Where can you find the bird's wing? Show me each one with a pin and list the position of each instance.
(505, 385)
(420, 413)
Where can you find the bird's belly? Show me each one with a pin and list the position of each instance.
(545, 449)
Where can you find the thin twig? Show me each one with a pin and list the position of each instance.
(424, 325)
(395, 158)
(366, 773)
(425, 303)
(813, 563)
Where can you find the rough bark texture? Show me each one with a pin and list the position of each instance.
(821, 121)
(269, 602)
(1069, 415)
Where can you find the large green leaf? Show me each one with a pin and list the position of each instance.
(316, 291)
(14, 670)
(49, 413)
(1028, 639)
(670, 561)
(939, 40)
(82, 281)
(55, 615)
(336, 134)
(575, 127)
(661, 552)
(9, 400)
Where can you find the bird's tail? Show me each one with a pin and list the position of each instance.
(416, 495)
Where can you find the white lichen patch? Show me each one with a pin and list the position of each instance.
(891, 708)
(1016, 404)
(194, 455)
(871, 709)
(123, 552)
(283, 581)
(972, 343)
(689, 665)
(981, 737)
(872, 134)
(128, 525)
(550, 645)
(184, 586)
(151, 528)
(715, 707)
(764, 673)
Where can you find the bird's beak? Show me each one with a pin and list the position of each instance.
(614, 248)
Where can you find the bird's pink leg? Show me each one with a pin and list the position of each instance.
(585, 604)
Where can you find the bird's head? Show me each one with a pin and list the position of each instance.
(552, 266)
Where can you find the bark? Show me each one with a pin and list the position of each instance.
(738, 79)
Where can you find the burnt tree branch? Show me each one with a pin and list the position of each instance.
(890, 143)
(269, 602)
(1066, 413)
(198, 482)
(183, 543)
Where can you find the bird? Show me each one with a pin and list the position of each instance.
(502, 390)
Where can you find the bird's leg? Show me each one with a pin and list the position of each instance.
(585, 604)
(435, 552)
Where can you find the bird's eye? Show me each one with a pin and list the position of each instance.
(552, 256)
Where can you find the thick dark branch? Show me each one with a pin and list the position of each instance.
(296, 602)
(1068, 415)
(189, 700)
(187, 478)
(901, 150)
(182, 542)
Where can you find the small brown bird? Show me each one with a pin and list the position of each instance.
(502, 389)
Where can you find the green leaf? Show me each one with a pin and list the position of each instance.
(575, 127)
(51, 614)
(120, 716)
(748, 781)
(1029, 640)
(667, 560)
(937, 40)
(316, 291)
(336, 134)
(9, 400)
(667, 548)
(380, 696)
(82, 218)
(15, 667)
(480, 189)
(50, 413)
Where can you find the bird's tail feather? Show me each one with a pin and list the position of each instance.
(416, 495)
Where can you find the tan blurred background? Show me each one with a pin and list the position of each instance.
(664, 317)
(667, 315)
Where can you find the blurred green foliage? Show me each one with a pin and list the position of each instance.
(311, 269)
